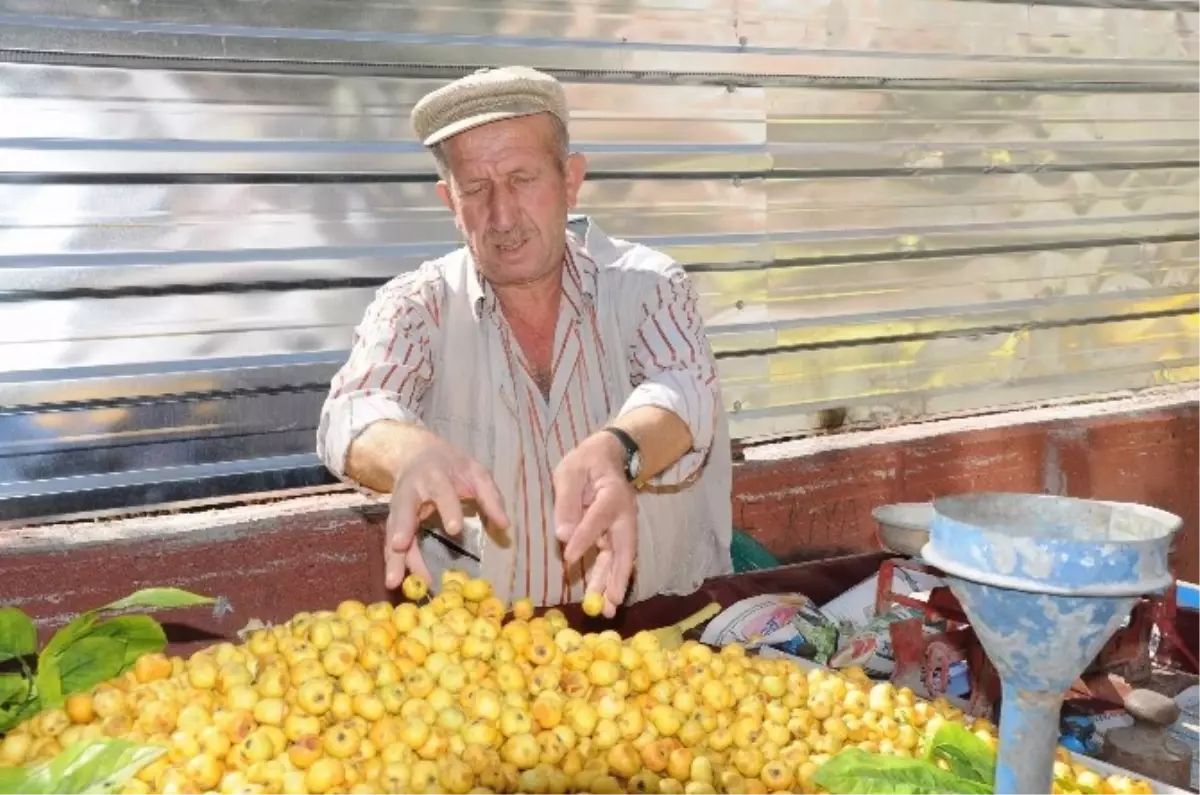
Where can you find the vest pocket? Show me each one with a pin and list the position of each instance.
(475, 439)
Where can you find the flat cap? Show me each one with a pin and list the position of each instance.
(486, 96)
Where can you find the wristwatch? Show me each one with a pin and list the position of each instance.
(633, 456)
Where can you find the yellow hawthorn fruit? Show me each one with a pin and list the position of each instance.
(593, 603)
(458, 694)
(414, 588)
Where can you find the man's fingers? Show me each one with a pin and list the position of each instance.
(597, 519)
(569, 484)
(440, 482)
(488, 496)
(393, 563)
(403, 516)
(624, 551)
(416, 563)
(597, 580)
(441, 491)
(397, 563)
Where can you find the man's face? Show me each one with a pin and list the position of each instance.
(510, 193)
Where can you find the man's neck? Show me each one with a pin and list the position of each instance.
(532, 313)
(534, 304)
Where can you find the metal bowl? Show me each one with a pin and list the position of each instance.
(904, 526)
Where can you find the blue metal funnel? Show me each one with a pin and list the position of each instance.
(1045, 581)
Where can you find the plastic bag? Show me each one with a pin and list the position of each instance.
(790, 623)
(102, 765)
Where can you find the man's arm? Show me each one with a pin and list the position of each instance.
(672, 413)
(663, 438)
(382, 451)
(372, 413)
(371, 432)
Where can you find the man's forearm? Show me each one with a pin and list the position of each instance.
(380, 453)
(662, 436)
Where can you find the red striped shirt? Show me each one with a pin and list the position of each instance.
(669, 362)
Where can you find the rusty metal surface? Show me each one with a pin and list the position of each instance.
(895, 210)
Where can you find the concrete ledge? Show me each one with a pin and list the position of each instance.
(1118, 405)
(268, 560)
(187, 526)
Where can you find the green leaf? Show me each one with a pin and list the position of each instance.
(855, 771)
(140, 634)
(87, 662)
(80, 625)
(146, 599)
(49, 677)
(17, 700)
(158, 599)
(968, 756)
(49, 680)
(18, 635)
(102, 765)
(13, 687)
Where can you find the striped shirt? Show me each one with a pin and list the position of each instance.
(655, 353)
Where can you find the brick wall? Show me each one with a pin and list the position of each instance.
(803, 500)
(806, 505)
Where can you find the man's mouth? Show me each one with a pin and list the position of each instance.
(510, 247)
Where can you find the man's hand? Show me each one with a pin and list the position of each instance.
(596, 506)
(436, 476)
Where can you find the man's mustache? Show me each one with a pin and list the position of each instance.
(508, 238)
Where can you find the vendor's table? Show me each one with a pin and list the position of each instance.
(819, 580)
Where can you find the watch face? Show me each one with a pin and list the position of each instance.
(635, 466)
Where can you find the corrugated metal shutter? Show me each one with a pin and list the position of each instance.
(892, 209)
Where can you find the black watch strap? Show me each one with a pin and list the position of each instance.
(631, 450)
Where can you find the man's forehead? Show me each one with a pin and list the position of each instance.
(526, 131)
(510, 141)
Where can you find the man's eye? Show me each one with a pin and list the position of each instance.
(523, 179)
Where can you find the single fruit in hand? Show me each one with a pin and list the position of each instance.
(593, 604)
(414, 588)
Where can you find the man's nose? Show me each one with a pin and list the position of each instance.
(504, 210)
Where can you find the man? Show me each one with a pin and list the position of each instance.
(556, 379)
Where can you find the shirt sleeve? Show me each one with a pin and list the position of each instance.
(672, 368)
(388, 372)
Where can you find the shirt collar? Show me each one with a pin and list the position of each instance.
(477, 289)
(579, 280)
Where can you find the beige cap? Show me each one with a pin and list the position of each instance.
(486, 96)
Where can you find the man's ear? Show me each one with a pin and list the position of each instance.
(443, 192)
(576, 171)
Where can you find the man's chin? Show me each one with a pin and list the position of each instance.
(517, 270)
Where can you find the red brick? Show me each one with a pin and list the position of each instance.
(803, 506)
(987, 461)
